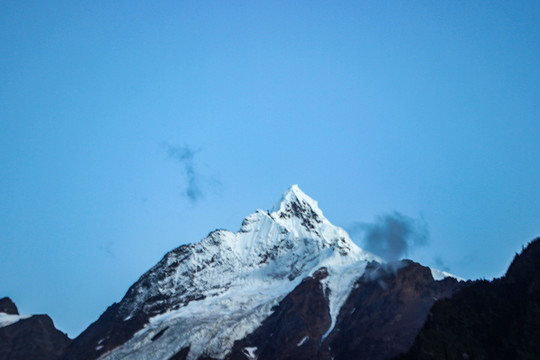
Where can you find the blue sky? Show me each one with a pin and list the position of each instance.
(425, 108)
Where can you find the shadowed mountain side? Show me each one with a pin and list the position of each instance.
(380, 318)
(295, 328)
(109, 331)
(118, 324)
(385, 311)
(488, 320)
(8, 307)
(32, 338)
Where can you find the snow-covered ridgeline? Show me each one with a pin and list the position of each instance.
(439, 275)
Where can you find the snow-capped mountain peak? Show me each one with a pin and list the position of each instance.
(238, 277)
(294, 202)
(222, 288)
(299, 213)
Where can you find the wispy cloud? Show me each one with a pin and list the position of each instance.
(441, 264)
(392, 236)
(185, 155)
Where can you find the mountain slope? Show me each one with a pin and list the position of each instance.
(386, 307)
(25, 337)
(294, 329)
(385, 310)
(220, 289)
(488, 320)
(201, 298)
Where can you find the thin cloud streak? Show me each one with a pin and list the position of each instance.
(185, 155)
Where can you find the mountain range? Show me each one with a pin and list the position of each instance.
(287, 285)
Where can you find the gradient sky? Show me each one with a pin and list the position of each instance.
(111, 112)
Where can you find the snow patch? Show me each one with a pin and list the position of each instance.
(440, 275)
(304, 339)
(250, 352)
(340, 284)
(8, 319)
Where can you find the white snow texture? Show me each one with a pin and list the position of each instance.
(224, 286)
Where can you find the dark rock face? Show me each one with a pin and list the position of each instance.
(379, 319)
(181, 355)
(295, 328)
(302, 211)
(488, 320)
(8, 307)
(108, 332)
(31, 339)
(385, 311)
(121, 320)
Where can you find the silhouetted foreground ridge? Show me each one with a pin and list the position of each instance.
(488, 320)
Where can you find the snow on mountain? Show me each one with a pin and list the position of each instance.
(439, 275)
(8, 319)
(206, 295)
(9, 314)
(222, 288)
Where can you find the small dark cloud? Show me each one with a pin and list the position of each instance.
(185, 155)
(392, 236)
